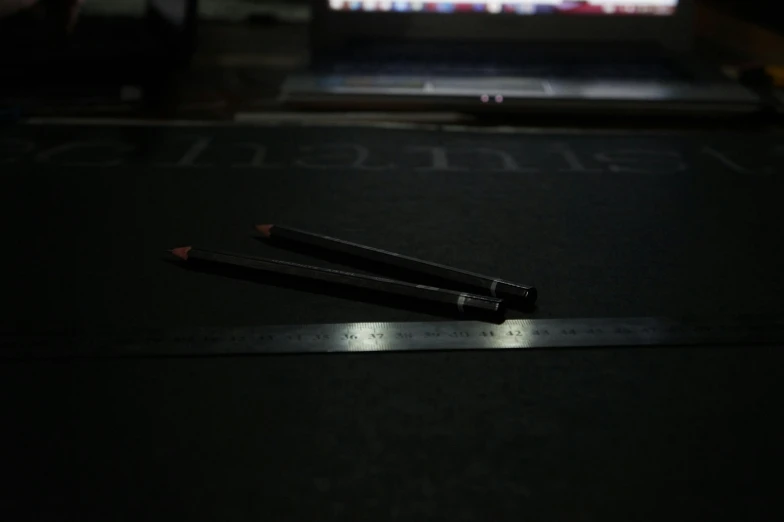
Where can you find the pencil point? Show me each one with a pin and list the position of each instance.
(265, 230)
(181, 252)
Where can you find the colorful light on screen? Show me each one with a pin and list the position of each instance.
(576, 7)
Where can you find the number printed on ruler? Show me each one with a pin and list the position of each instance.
(369, 337)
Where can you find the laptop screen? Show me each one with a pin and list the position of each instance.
(535, 7)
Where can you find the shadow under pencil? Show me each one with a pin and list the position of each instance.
(360, 295)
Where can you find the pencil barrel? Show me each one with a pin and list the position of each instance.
(464, 303)
(478, 283)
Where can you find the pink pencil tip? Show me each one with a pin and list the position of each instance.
(181, 252)
(265, 229)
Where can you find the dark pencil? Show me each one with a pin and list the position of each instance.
(464, 302)
(479, 283)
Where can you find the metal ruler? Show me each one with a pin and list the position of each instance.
(390, 337)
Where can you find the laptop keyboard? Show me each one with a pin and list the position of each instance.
(583, 71)
(468, 62)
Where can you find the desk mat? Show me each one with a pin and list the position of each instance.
(605, 225)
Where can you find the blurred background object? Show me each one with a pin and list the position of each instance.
(46, 30)
(225, 10)
(247, 48)
(108, 59)
(761, 12)
(598, 56)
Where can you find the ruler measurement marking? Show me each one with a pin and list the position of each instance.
(358, 337)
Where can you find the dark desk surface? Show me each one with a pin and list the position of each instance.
(604, 224)
(572, 435)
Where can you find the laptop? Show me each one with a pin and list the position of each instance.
(491, 55)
